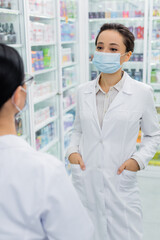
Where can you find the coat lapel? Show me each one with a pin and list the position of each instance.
(122, 95)
(90, 100)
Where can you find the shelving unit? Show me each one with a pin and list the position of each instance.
(154, 47)
(69, 40)
(43, 65)
(154, 59)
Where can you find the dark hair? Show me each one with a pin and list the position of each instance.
(124, 31)
(11, 72)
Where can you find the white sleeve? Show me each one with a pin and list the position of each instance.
(151, 132)
(63, 216)
(139, 161)
(77, 131)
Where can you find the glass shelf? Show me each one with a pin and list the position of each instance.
(44, 71)
(69, 108)
(38, 16)
(43, 124)
(9, 11)
(42, 44)
(45, 97)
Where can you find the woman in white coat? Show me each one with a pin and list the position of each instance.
(37, 200)
(110, 111)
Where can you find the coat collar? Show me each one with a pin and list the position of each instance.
(127, 87)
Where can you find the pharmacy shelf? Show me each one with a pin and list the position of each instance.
(68, 130)
(9, 11)
(155, 18)
(71, 86)
(68, 42)
(15, 45)
(157, 85)
(150, 171)
(39, 16)
(69, 108)
(66, 19)
(116, 19)
(49, 145)
(43, 124)
(44, 71)
(155, 63)
(69, 64)
(157, 105)
(45, 97)
(42, 44)
(155, 40)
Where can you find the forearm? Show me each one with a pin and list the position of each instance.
(147, 150)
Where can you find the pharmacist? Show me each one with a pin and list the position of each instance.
(37, 200)
(110, 111)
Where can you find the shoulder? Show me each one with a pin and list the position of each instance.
(87, 86)
(44, 160)
(38, 163)
(139, 87)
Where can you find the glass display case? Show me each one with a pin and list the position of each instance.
(69, 36)
(42, 51)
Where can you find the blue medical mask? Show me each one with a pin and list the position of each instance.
(20, 111)
(107, 62)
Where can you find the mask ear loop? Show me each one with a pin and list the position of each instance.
(24, 90)
(19, 110)
(124, 54)
(15, 104)
(122, 63)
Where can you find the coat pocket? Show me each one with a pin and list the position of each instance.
(128, 180)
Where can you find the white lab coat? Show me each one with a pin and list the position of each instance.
(37, 199)
(113, 200)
